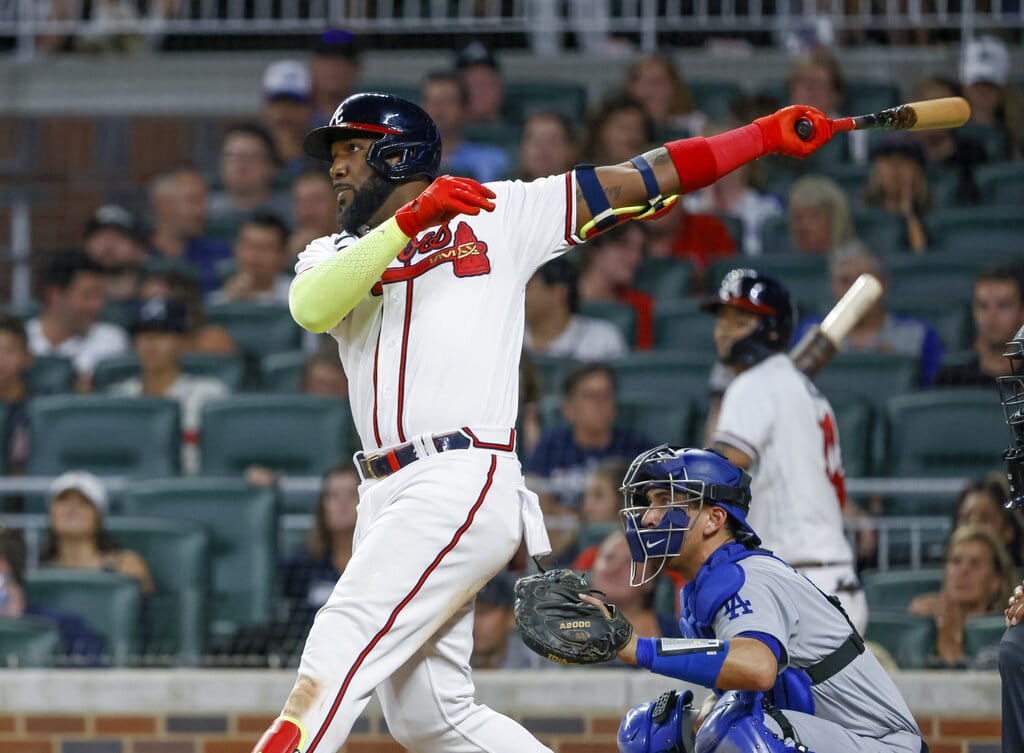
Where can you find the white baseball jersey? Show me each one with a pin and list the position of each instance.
(776, 415)
(436, 346)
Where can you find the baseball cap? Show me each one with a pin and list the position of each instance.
(287, 79)
(159, 315)
(498, 591)
(476, 53)
(85, 483)
(985, 59)
(114, 217)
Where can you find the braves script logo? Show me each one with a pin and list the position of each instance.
(467, 254)
(735, 604)
(833, 460)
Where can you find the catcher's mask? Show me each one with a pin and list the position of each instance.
(690, 477)
(1011, 392)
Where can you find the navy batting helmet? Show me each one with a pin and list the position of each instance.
(752, 291)
(401, 129)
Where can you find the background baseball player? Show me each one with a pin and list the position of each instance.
(423, 290)
(754, 625)
(775, 423)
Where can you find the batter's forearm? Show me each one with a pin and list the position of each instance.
(321, 297)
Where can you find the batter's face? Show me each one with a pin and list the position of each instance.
(360, 190)
(731, 324)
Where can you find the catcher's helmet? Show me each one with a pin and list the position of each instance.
(401, 129)
(1011, 392)
(750, 290)
(691, 477)
(664, 725)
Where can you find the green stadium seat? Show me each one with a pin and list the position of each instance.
(114, 369)
(851, 177)
(992, 138)
(665, 279)
(109, 603)
(525, 97)
(553, 370)
(26, 310)
(951, 432)
(775, 235)
(950, 318)
(660, 420)
(804, 275)
(282, 372)
(120, 313)
(1001, 183)
(933, 276)
(177, 553)
(866, 97)
(982, 632)
(659, 373)
(109, 436)
(908, 638)
(28, 642)
(873, 376)
(228, 369)
(241, 524)
(257, 329)
(502, 135)
(622, 315)
(51, 375)
(885, 233)
(681, 325)
(297, 434)
(713, 98)
(855, 419)
(3, 433)
(978, 228)
(893, 590)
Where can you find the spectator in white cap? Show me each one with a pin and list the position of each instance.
(287, 109)
(985, 75)
(77, 539)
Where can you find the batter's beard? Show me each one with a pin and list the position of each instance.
(365, 203)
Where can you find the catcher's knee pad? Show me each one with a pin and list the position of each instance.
(664, 725)
(285, 735)
(736, 725)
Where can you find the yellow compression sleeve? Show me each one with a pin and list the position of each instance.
(324, 295)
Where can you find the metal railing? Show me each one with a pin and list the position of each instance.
(542, 20)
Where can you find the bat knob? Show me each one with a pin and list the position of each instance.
(804, 129)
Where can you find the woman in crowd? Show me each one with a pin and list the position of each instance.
(655, 82)
(897, 184)
(548, 145)
(981, 504)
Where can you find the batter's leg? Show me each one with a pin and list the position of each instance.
(1011, 671)
(429, 706)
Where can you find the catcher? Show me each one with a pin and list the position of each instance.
(788, 669)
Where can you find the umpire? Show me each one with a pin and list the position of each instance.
(799, 674)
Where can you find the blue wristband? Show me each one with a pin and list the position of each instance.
(697, 661)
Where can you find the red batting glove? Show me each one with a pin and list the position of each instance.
(442, 200)
(779, 131)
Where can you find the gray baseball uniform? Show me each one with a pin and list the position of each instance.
(859, 709)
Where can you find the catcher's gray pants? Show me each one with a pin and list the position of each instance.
(823, 736)
(1011, 670)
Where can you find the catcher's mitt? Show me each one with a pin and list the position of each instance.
(558, 626)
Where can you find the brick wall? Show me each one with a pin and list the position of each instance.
(237, 733)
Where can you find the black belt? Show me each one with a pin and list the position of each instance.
(838, 660)
(383, 464)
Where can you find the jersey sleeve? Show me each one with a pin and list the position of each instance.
(540, 217)
(746, 418)
(759, 608)
(318, 250)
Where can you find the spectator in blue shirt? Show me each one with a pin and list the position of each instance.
(879, 331)
(445, 98)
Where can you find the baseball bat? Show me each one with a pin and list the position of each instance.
(822, 341)
(947, 112)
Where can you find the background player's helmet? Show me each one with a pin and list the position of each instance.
(1011, 392)
(765, 296)
(691, 477)
(664, 725)
(402, 129)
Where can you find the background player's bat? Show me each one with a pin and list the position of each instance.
(821, 342)
(948, 112)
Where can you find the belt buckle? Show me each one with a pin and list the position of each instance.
(368, 465)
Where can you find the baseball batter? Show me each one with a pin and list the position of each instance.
(751, 623)
(775, 423)
(423, 290)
